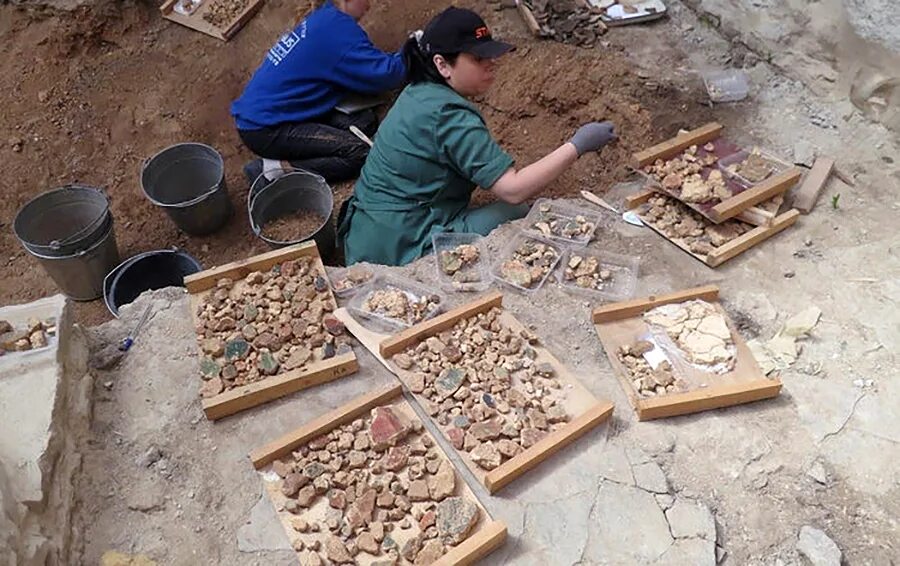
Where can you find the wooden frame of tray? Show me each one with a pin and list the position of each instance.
(247, 396)
(490, 534)
(619, 324)
(737, 204)
(585, 410)
(196, 22)
(728, 250)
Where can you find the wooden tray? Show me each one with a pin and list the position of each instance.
(585, 410)
(743, 198)
(621, 324)
(489, 535)
(729, 250)
(196, 22)
(247, 396)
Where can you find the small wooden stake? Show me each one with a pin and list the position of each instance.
(806, 196)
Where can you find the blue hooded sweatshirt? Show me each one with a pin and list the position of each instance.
(310, 70)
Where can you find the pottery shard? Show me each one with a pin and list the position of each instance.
(215, 347)
(297, 358)
(443, 483)
(486, 455)
(377, 530)
(516, 398)
(337, 551)
(332, 325)
(361, 511)
(402, 360)
(337, 499)
(367, 543)
(211, 388)
(556, 414)
(508, 448)
(537, 419)
(449, 381)
(531, 436)
(386, 428)
(385, 500)
(412, 546)
(418, 490)
(430, 553)
(306, 496)
(487, 430)
(292, 483)
(715, 325)
(396, 458)
(416, 382)
(455, 518)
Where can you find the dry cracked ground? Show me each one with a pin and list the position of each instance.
(809, 477)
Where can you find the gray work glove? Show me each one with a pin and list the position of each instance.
(593, 136)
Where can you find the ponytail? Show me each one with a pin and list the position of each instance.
(420, 66)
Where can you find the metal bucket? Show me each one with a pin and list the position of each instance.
(80, 275)
(146, 272)
(291, 192)
(70, 232)
(187, 180)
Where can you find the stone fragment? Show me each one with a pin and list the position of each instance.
(214, 347)
(427, 520)
(211, 387)
(412, 546)
(337, 551)
(418, 490)
(449, 381)
(299, 524)
(443, 483)
(508, 448)
(282, 468)
(297, 358)
(556, 414)
(337, 499)
(487, 430)
(486, 455)
(430, 553)
(313, 470)
(416, 382)
(531, 436)
(537, 419)
(456, 437)
(268, 364)
(312, 558)
(386, 428)
(236, 350)
(366, 543)
(377, 530)
(209, 368)
(403, 361)
(292, 483)
(455, 517)
(818, 547)
(360, 512)
(306, 496)
(332, 325)
(385, 500)
(396, 458)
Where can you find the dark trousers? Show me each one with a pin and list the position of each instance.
(326, 147)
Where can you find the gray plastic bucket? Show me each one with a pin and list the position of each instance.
(63, 221)
(80, 275)
(293, 191)
(187, 180)
(146, 271)
(70, 232)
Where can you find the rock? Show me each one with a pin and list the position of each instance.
(456, 437)
(332, 325)
(299, 524)
(377, 530)
(248, 331)
(449, 381)
(557, 414)
(337, 499)
(396, 458)
(443, 483)
(689, 518)
(292, 483)
(306, 496)
(366, 542)
(537, 419)
(486, 455)
(403, 361)
(313, 470)
(236, 350)
(209, 368)
(817, 472)
(508, 448)
(361, 511)
(455, 517)
(312, 558)
(281, 468)
(267, 364)
(297, 358)
(531, 436)
(337, 551)
(818, 548)
(430, 553)
(385, 500)
(211, 387)
(328, 351)
(229, 372)
(322, 484)
(361, 442)
(427, 520)
(411, 549)
(416, 382)
(516, 273)
(418, 490)
(386, 428)
(320, 284)
(487, 430)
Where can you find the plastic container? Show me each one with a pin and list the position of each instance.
(624, 271)
(413, 291)
(726, 86)
(478, 274)
(563, 213)
(507, 254)
(187, 180)
(338, 274)
(777, 166)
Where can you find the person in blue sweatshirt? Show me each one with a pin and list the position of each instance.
(287, 110)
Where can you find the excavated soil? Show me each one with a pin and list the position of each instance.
(90, 94)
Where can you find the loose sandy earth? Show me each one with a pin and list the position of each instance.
(160, 480)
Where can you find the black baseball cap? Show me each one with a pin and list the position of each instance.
(457, 30)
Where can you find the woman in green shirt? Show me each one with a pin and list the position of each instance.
(434, 148)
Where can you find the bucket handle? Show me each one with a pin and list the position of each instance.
(56, 244)
(185, 204)
(254, 192)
